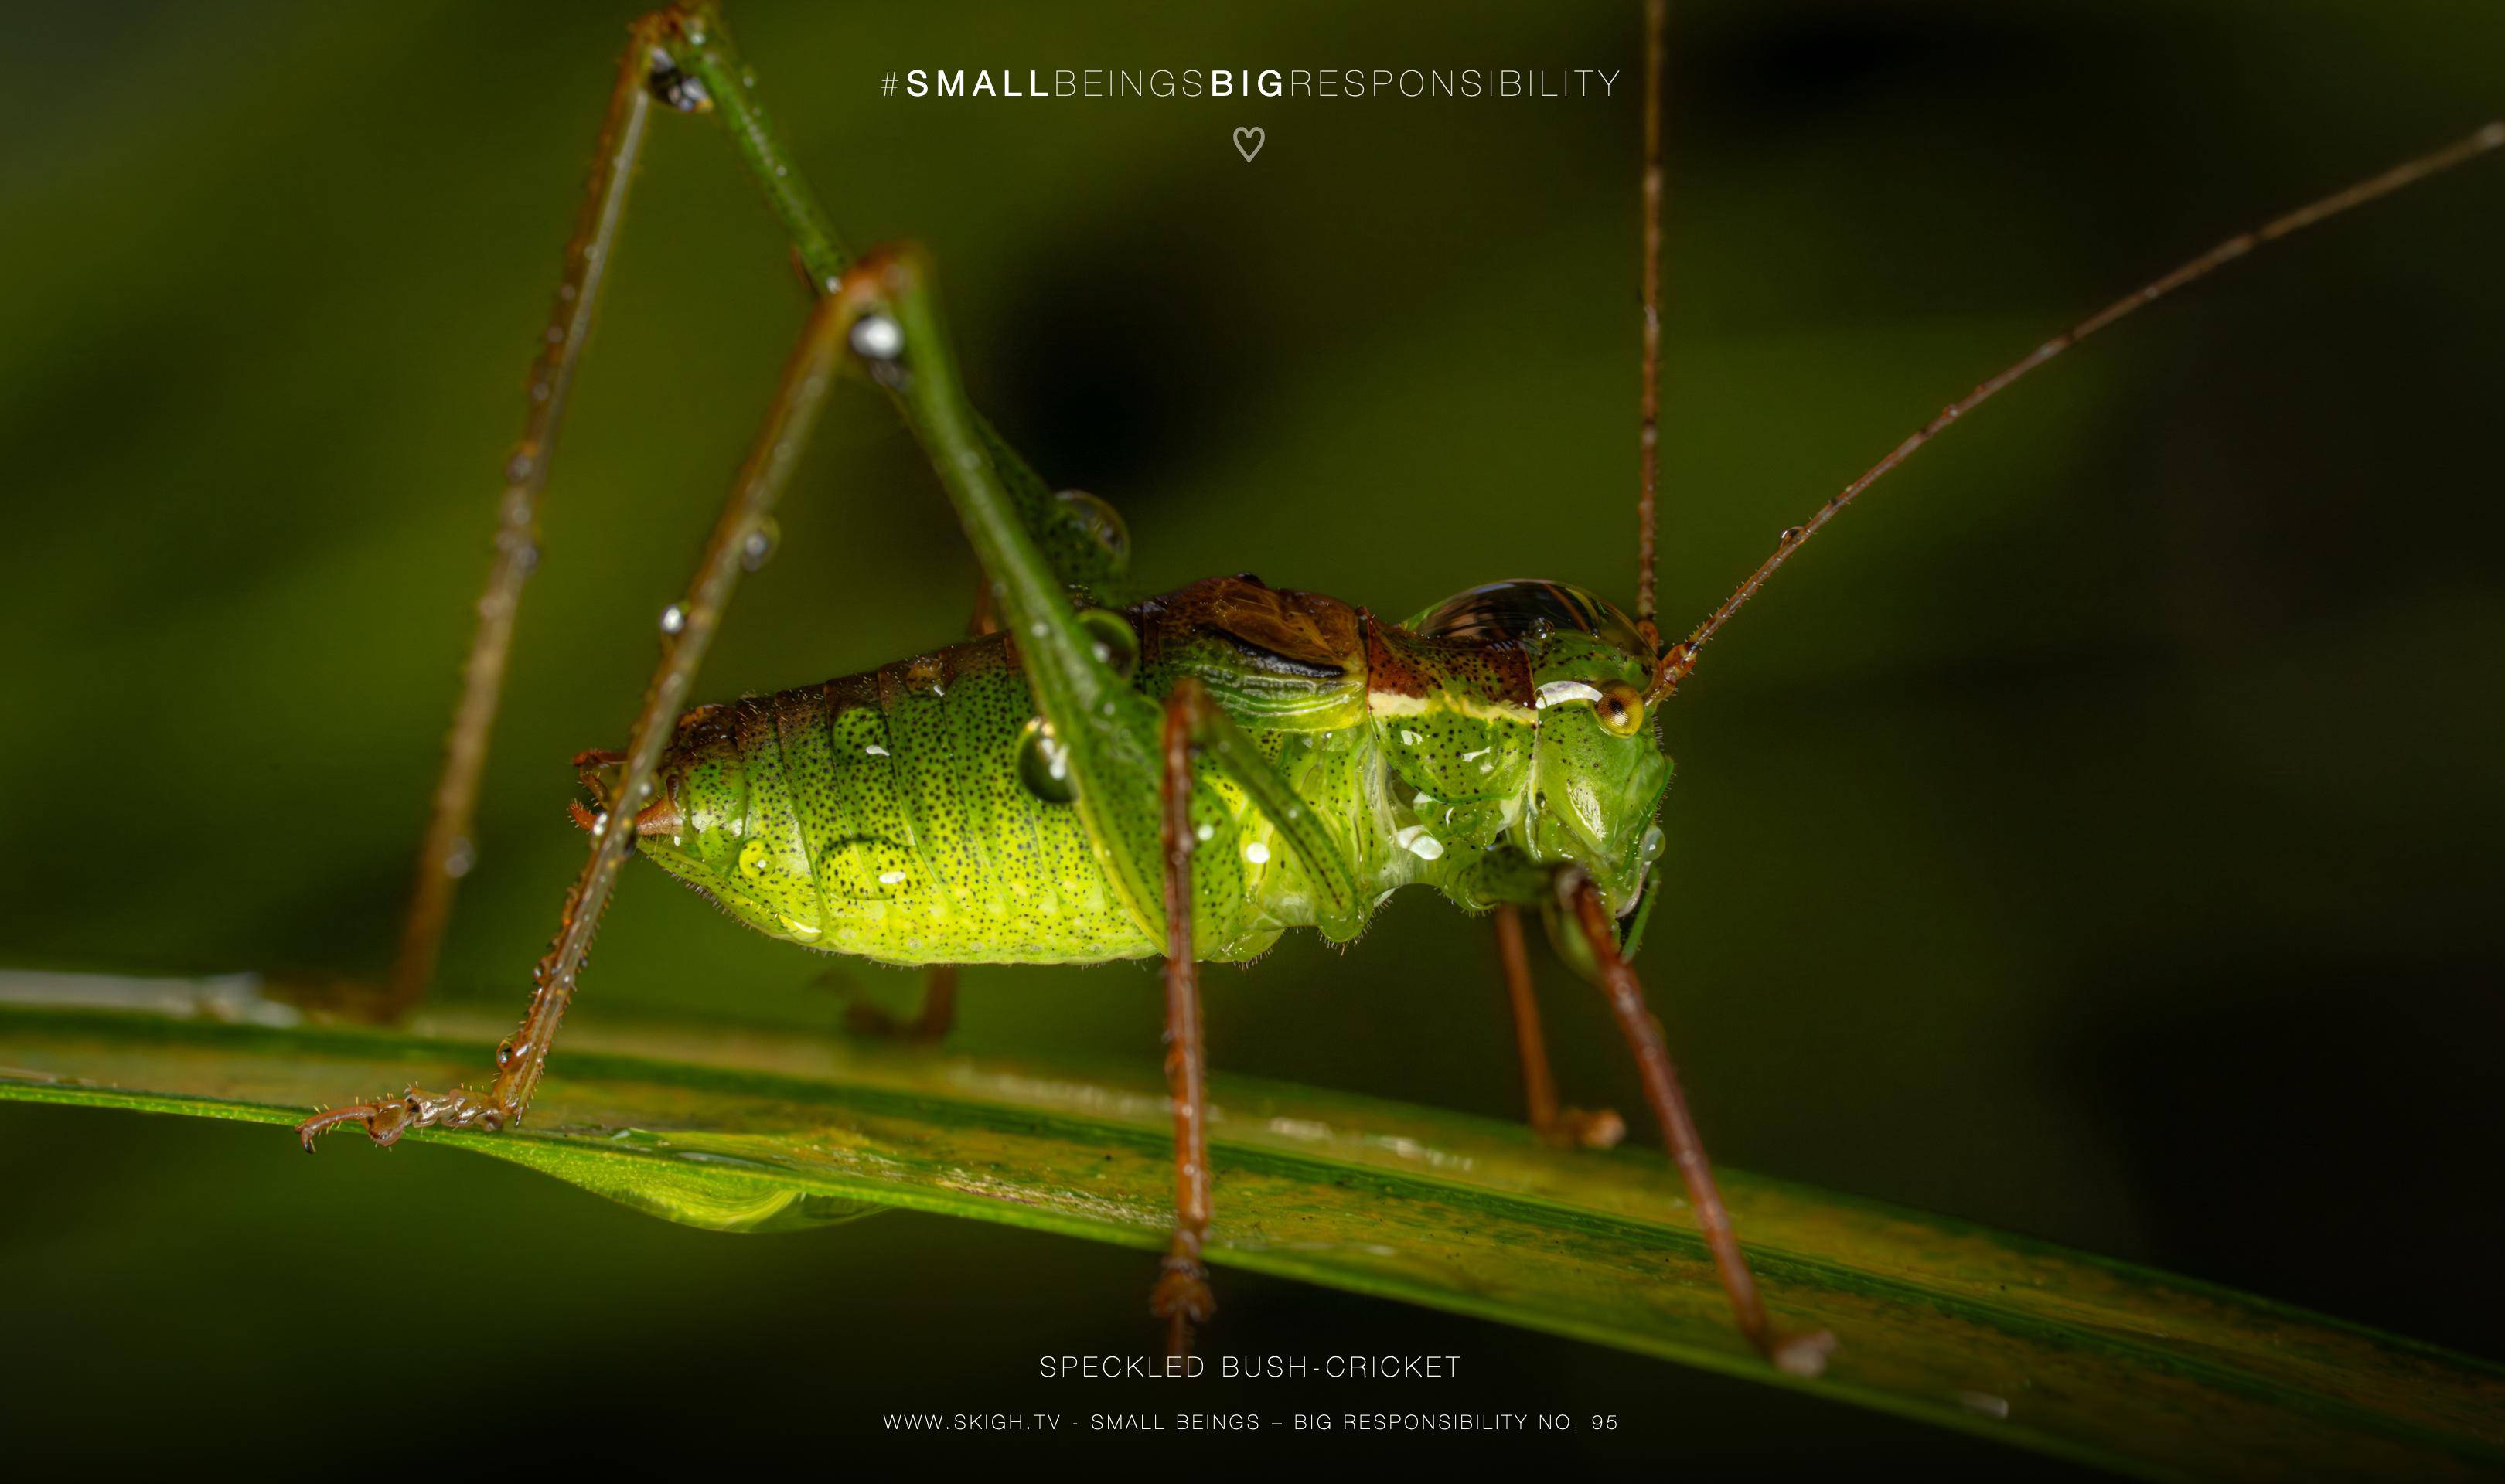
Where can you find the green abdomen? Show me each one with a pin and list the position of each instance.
(880, 814)
(883, 815)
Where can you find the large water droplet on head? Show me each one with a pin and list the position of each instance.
(1654, 844)
(1044, 763)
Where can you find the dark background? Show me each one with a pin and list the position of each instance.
(2093, 837)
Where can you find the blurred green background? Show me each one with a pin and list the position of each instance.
(2095, 836)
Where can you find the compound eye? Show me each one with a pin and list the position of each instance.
(1621, 708)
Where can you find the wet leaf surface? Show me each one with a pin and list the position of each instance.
(1959, 1326)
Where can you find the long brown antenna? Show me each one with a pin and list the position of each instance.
(1680, 659)
(1648, 438)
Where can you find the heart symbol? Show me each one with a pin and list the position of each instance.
(1248, 151)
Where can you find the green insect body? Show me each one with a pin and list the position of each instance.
(1189, 777)
(921, 814)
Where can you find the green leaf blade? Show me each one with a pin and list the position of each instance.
(1951, 1324)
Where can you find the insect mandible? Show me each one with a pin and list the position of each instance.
(1188, 775)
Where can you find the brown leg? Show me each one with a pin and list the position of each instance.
(1565, 1127)
(522, 1059)
(939, 1011)
(1802, 1354)
(446, 855)
(1182, 1296)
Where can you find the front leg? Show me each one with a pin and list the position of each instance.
(1800, 1354)
(1564, 1128)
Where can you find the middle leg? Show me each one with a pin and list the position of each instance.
(1181, 1298)
(1565, 1127)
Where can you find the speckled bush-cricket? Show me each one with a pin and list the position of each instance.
(1094, 777)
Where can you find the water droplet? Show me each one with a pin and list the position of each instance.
(504, 1052)
(1044, 763)
(758, 548)
(1117, 647)
(674, 619)
(1654, 844)
(890, 878)
(1985, 1403)
(876, 337)
(1409, 739)
(875, 750)
(458, 860)
(1789, 535)
(1101, 522)
(675, 89)
(1256, 853)
(1205, 832)
(1417, 842)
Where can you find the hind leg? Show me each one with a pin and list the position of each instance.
(930, 1025)
(681, 57)
(522, 1059)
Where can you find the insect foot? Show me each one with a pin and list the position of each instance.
(1585, 1128)
(385, 1121)
(1182, 1296)
(1804, 1355)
